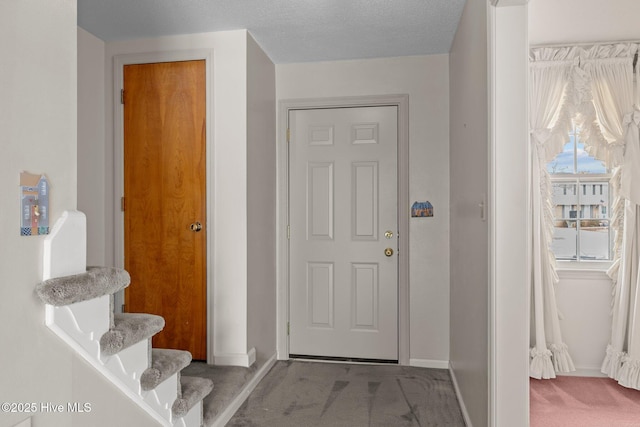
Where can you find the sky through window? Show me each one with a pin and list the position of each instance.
(564, 162)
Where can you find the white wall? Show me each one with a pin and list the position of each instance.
(109, 406)
(38, 118)
(241, 121)
(425, 80)
(261, 201)
(585, 298)
(583, 21)
(37, 134)
(469, 155)
(489, 259)
(92, 199)
(228, 182)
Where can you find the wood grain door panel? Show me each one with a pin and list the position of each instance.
(164, 189)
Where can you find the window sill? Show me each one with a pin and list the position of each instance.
(583, 270)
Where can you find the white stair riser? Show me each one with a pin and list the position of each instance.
(85, 322)
(81, 325)
(162, 417)
(129, 364)
(162, 397)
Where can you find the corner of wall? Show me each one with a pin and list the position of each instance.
(93, 163)
(261, 200)
(469, 174)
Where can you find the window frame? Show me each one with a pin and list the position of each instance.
(578, 179)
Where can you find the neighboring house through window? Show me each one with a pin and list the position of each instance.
(580, 199)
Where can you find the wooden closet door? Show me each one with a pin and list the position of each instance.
(165, 199)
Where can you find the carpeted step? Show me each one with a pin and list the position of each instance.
(164, 363)
(128, 329)
(96, 282)
(194, 389)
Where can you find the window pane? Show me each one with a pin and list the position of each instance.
(564, 200)
(594, 239)
(586, 163)
(564, 244)
(580, 199)
(595, 203)
(563, 162)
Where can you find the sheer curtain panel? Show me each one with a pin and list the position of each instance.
(593, 86)
(550, 123)
(610, 70)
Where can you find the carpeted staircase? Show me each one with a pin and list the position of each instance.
(79, 309)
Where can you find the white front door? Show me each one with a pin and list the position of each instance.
(343, 232)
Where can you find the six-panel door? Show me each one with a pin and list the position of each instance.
(343, 233)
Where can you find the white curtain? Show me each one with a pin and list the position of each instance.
(610, 72)
(550, 122)
(594, 87)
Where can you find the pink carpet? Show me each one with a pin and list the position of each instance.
(583, 402)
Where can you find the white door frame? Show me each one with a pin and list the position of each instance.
(119, 62)
(509, 202)
(282, 244)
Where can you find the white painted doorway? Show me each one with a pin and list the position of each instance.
(343, 217)
(120, 61)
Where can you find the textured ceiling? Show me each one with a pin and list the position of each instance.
(288, 30)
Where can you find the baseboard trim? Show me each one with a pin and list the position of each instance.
(235, 359)
(463, 408)
(25, 423)
(225, 416)
(427, 363)
(343, 359)
(583, 372)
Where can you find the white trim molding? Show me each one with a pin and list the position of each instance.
(501, 3)
(509, 202)
(235, 359)
(25, 423)
(225, 416)
(119, 61)
(582, 371)
(463, 407)
(282, 245)
(579, 274)
(426, 363)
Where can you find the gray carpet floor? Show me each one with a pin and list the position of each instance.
(228, 382)
(311, 394)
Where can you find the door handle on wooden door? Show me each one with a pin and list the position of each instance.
(196, 226)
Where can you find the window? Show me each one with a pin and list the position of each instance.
(580, 199)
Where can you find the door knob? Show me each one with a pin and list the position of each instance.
(195, 227)
(388, 252)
